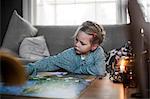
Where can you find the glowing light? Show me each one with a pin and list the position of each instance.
(122, 65)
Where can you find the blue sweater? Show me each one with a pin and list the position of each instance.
(93, 63)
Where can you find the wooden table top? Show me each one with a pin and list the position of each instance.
(103, 89)
(99, 89)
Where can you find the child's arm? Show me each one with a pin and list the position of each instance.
(98, 67)
(44, 64)
(62, 60)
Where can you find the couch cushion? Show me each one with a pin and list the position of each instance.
(17, 30)
(116, 36)
(33, 48)
(58, 38)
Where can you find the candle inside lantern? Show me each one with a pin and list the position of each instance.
(122, 65)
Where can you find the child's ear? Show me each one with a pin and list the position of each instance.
(94, 46)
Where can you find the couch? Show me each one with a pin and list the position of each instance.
(58, 38)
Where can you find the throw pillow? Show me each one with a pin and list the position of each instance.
(34, 48)
(17, 30)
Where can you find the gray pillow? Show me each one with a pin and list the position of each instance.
(33, 48)
(17, 30)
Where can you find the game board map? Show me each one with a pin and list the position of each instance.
(51, 85)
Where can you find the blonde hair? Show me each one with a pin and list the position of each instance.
(94, 29)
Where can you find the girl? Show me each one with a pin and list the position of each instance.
(86, 57)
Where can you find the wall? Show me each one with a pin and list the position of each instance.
(0, 20)
(7, 7)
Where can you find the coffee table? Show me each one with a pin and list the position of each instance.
(51, 85)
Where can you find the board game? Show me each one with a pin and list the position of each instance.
(51, 85)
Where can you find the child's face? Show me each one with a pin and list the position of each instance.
(82, 43)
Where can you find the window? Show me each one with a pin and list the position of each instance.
(74, 12)
(145, 6)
